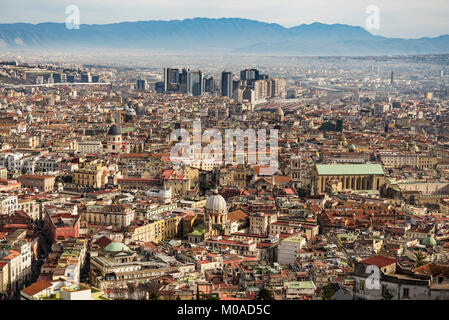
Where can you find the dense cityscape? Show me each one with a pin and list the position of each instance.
(94, 207)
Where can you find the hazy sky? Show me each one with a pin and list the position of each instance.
(398, 18)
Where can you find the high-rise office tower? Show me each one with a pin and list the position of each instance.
(174, 76)
(226, 84)
(56, 78)
(209, 84)
(95, 78)
(195, 85)
(70, 78)
(189, 82)
(392, 78)
(184, 77)
(141, 84)
(238, 84)
(277, 87)
(249, 75)
(171, 77)
(86, 77)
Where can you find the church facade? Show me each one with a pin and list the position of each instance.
(114, 142)
(340, 177)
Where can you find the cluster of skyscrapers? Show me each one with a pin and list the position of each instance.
(251, 86)
(187, 81)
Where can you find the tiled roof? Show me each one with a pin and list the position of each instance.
(37, 287)
(379, 261)
(349, 169)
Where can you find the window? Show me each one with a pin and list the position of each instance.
(405, 293)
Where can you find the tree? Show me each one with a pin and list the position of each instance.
(328, 292)
(119, 293)
(150, 288)
(303, 192)
(420, 259)
(209, 297)
(154, 296)
(131, 289)
(390, 193)
(265, 295)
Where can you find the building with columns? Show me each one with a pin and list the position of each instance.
(216, 217)
(114, 142)
(340, 177)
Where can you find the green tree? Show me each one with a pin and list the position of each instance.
(209, 297)
(303, 192)
(265, 295)
(154, 296)
(420, 259)
(328, 292)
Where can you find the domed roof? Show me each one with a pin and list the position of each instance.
(216, 203)
(352, 147)
(27, 109)
(429, 241)
(116, 247)
(131, 112)
(18, 112)
(114, 131)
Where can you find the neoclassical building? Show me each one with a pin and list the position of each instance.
(339, 177)
(216, 217)
(114, 142)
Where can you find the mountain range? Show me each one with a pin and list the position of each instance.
(225, 35)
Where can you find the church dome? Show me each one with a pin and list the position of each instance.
(216, 203)
(429, 241)
(131, 112)
(352, 148)
(114, 131)
(18, 112)
(115, 247)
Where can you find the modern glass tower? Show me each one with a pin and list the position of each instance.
(196, 83)
(226, 84)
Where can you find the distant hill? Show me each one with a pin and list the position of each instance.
(225, 35)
